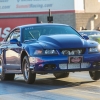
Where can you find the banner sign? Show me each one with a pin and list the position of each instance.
(7, 24)
(15, 6)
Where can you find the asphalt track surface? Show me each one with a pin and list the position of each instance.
(78, 86)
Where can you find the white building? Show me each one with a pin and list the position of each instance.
(76, 13)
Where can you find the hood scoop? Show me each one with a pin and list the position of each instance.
(63, 41)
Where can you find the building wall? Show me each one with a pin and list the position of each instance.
(76, 13)
(64, 18)
(62, 11)
(87, 20)
(92, 6)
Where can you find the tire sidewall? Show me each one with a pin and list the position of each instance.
(2, 71)
(25, 60)
(95, 75)
(31, 76)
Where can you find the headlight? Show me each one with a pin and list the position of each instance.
(34, 60)
(48, 52)
(99, 47)
(93, 50)
(71, 52)
(38, 52)
(45, 52)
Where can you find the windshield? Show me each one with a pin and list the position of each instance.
(34, 32)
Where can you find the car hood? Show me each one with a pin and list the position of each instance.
(63, 41)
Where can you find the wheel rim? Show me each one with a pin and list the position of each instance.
(26, 71)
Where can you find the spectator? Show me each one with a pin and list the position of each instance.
(83, 28)
(39, 22)
(98, 28)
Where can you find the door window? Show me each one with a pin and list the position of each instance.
(14, 35)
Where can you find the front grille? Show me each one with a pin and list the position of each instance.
(75, 51)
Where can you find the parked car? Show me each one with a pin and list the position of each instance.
(92, 34)
(47, 48)
(89, 32)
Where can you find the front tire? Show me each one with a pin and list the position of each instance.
(95, 75)
(61, 75)
(29, 77)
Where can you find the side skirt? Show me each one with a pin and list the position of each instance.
(13, 71)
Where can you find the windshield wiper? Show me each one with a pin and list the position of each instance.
(31, 35)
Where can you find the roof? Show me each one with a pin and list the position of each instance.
(39, 24)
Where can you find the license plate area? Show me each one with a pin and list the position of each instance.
(75, 59)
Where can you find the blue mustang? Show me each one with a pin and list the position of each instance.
(47, 48)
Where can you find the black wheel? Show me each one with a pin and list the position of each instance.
(7, 77)
(61, 75)
(29, 77)
(95, 75)
(4, 76)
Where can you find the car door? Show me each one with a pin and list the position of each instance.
(3, 46)
(13, 52)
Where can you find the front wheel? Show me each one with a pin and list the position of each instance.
(61, 75)
(95, 75)
(29, 77)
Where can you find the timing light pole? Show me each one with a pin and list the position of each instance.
(50, 18)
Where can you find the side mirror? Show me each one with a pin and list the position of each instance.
(13, 41)
(85, 37)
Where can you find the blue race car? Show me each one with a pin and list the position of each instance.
(47, 48)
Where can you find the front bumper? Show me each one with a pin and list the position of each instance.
(51, 64)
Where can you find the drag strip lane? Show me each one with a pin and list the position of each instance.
(78, 86)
